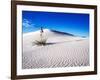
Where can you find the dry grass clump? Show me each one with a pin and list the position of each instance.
(40, 42)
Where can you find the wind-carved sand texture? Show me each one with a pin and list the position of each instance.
(61, 50)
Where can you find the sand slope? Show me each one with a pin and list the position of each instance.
(65, 51)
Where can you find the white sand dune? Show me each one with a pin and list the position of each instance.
(63, 51)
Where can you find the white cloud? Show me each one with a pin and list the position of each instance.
(26, 23)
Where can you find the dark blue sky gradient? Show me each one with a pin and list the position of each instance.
(74, 23)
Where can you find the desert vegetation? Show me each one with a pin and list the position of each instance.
(42, 40)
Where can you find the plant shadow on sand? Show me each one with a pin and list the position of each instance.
(43, 44)
(51, 43)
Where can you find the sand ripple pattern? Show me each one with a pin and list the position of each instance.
(64, 54)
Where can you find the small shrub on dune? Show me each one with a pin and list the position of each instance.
(40, 42)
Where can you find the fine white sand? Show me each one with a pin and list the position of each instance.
(60, 51)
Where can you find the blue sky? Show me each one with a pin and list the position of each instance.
(74, 23)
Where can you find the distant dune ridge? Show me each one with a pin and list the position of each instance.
(62, 50)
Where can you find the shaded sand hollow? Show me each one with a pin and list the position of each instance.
(62, 50)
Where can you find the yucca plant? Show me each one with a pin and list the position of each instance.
(42, 40)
